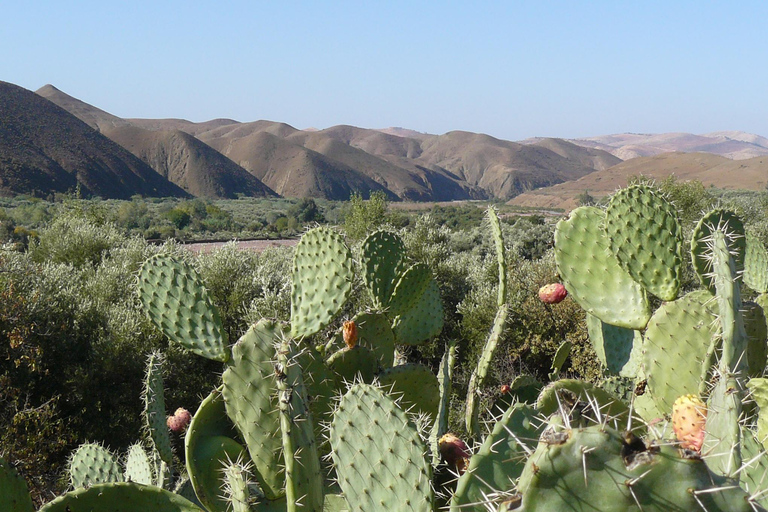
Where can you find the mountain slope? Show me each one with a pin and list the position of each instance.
(189, 163)
(503, 168)
(92, 116)
(44, 149)
(292, 170)
(710, 169)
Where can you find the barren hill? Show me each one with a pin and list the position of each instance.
(503, 168)
(190, 163)
(44, 149)
(709, 169)
(92, 116)
(735, 145)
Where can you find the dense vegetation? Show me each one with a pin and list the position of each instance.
(74, 339)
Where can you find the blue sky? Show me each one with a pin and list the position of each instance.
(510, 69)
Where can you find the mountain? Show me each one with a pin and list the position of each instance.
(711, 170)
(189, 163)
(45, 149)
(503, 168)
(735, 145)
(174, 154)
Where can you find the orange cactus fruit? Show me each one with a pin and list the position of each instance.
(349, 331)
(689, 416)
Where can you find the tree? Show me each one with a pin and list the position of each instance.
(363, 216)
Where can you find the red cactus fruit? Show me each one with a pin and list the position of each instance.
(689, 416)
(505, 389)
(552, 293)
(454, 452)
(349, 331)
(179, 421)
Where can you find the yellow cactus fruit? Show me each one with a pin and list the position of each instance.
(689, 416)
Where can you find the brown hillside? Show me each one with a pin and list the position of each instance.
(503, 168)
(710, 169)
(292, 170)
(44, 149)
(590, 157)
(181, 124)
(190, 163)
(404, 177)
(92, 116)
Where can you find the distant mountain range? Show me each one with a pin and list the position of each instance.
(50, 141)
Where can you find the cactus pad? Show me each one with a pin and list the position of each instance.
(757, 337)
(756, 265)
(250, 394)
(379, 457)
(424, 320)
(93, 464)
(120, 497)
(414, 386)
(678, 347)
(383, 262)
(176, 301)
(619, 349)
(351, 364)
(646, 238)
(701, 243)
(209, 443)
(322, 280)
(592, 274)
(138, 467)
(154, 408)
(14, 494)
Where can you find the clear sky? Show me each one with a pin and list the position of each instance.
(511, 69)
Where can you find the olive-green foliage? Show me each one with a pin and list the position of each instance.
(75, 239)
(365, 215)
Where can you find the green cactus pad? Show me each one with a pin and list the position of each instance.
(353, 364)
(596, 468)
(250, 395)
(14, 494)
(209, 443)
(322, 281)
(374, 331)
(757, 334)
(678, 347)
(592, 274)
(722, 443)
(423, 321)
(414, 386)
(379, 457)
(444, 379)
(120, 497)
(383, 262)
(501, 253)
(176, 301)
(758, 389)
(756, 265)
(646, 238)
(552, 398)
(321, 387)
(138, 467)
(237, 482)
(409, 288)
(303, 475)
(154, 408)
(93, 464)
(558, 360)
(754, 476)
(500, 460)
(619, 349)
(701, 243)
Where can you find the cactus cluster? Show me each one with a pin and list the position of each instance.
(305, 420)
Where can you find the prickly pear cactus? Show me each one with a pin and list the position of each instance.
(14, 494)
(379, 457)
(177, 302)
(592, 274)
(383, 262)
(756, 265)
(138, 467)
(619, 349)
(579, 469)
(414, 385)
(154, 408)
(120, 497)
(93, 464)
(646, 238)
(322, 280)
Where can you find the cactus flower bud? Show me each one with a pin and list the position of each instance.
(689, 416)
(350, 333)
(454, 452)
(552, 293)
